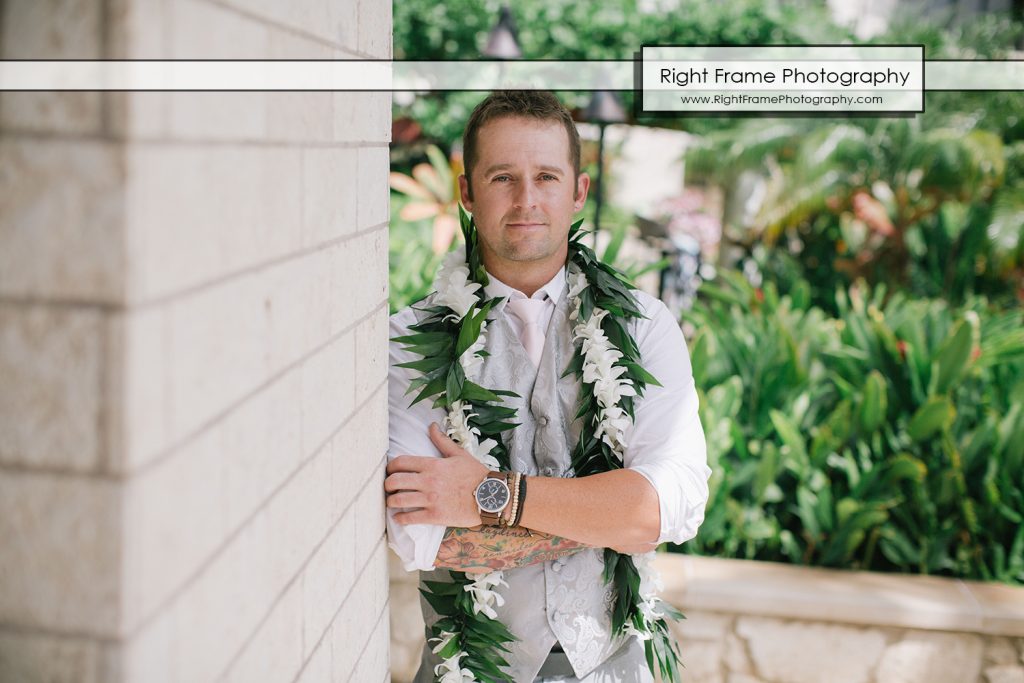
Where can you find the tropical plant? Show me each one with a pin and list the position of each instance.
(888, 200)
(433, 192)
(889, 437)
(931, 203)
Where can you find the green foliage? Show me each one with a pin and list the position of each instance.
(611, 29)
(412, 263)
(988, 35)
(933, 205)
(483, 639)
(888, 437)
(936, 211)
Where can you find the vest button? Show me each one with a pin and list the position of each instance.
(548, 471)
(543, 420)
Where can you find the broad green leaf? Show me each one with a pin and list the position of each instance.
(442, 604)
(790, 435)
(453, 383)
(806, 509)
(874, 403)
(904, 466)
(953, 358)
(931, 418)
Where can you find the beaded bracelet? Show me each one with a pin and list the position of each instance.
(513, 511)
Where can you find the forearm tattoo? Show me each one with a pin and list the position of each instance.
(494, 548)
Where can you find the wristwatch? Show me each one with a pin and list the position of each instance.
(492, 496)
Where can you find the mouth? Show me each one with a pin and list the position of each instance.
(524, 226)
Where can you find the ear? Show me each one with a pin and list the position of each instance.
(582, 187)
(464, 193)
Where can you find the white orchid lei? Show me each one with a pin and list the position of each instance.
(468, 637)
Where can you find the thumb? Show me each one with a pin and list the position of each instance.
(444, 444)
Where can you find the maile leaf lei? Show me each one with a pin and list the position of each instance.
(450, 341)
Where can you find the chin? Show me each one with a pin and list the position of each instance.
(528, 255)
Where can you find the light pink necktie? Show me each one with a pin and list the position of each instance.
(529, 311)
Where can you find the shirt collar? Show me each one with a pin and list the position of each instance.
(554, 289)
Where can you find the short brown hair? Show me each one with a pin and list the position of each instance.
(535, 104)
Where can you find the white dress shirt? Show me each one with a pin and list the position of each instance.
(665, 444)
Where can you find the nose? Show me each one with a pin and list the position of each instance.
(526, 195)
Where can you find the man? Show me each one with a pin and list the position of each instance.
(523, 186)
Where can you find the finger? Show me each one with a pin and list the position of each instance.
(402, 481)
(444, 444)
(407, 463)
(414, 517)
(407, 499)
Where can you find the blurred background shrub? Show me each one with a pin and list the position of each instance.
(889, 436)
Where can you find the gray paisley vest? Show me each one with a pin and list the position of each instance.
(564, 600)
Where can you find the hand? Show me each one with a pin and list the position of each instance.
(436, 490)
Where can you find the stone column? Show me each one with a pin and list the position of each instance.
(193, 323)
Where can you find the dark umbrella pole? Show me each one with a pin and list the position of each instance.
(599, 184)
(604, 108)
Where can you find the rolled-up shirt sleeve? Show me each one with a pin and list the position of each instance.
(666, 442)
(415, 544)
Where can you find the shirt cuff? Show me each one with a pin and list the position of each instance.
(678, 523)
(415, 544)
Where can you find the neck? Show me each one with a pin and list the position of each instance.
(525, 276)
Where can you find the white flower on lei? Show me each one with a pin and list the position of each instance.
(613, 433)
(651, 609)
(599, 362)
(461, 432)
(591, 333)
(630, 630)
(453, 286)
(650, 580)
(608, 388)
(484, 595)
(577, 283)
(650, 603)
(449, 671)
(442, 641)
(600, 371)
(469, 360)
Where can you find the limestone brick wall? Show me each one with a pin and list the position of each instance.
(759, 622)
(193, 356)
(725, 648)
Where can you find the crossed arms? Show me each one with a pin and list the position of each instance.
(619, 509)
(560, 517)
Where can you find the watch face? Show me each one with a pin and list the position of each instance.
(492, 495)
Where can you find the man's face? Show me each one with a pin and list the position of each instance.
(524, 193)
